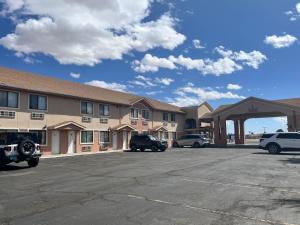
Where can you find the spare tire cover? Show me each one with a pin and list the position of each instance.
(26, 148)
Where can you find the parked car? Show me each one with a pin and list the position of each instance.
(284, 141)
(143, 142)
(17, 147)
(192, 140)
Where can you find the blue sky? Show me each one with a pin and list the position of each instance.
(183, 52)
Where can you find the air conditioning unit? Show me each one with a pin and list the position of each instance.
(37, 116)
(133, 122)
(104, 120)
(145, 123)
(86, 119)
(7, 114)
(86, 148)
(165, 124)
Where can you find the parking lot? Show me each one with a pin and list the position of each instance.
(181, 186)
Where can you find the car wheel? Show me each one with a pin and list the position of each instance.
(163, 149)
(273, 148)
(26, 148)
(33, 162)
(133, 148)
(154, 148)
(175, 145)
(196, 145)
(142, 149)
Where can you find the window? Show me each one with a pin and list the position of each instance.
(165, 116)
(134, 113)
(41, 136)
(37, 102)
(87, 108)
(145, 114)
(173, 117)
(9, 99)
(289, 136)
(104, 110)
(166, 135)
(174, 136)
(87, 137)
(104, 136)
(134, 133)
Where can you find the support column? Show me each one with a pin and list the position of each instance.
(220, 132)
(237, 132)
(242, 132)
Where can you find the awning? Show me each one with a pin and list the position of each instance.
(123, 127)
(159, 128)
(67, 125)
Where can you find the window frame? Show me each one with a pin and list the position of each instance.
(135, 118)
(34, 130)
(9, 91)
(163, 116)
(86, 114)
(102, 104)
(87, 143)
(146, 110)
(164, 135)
(104, 142)
(38, 95)
(171, 115)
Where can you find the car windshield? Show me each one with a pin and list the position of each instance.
(152, 138)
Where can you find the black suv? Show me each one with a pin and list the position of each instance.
(143, 142)
(18, 147)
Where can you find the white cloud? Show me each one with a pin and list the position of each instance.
(197, 44)
(281, 120)
(153, 92)
(75, 75)
(298, 7)
(111, 86)
(151, 82)
(152, 64)
(87, 32)
(164, 80)
(234, 87)
(189, 95)
(230, 62)
(280, 41)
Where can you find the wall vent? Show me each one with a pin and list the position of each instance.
(7, 114)
(165, 124)
(86, 148)
(104, 120)
(86, 119)
(37, 116)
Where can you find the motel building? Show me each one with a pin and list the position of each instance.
(70, 117)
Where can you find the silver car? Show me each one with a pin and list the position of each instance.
(192, 140)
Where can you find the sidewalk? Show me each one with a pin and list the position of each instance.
(78, 154)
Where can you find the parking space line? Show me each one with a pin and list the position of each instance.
(17, 174)
(212, 211)
(250, 186)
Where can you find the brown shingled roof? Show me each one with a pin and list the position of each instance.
(32, 82)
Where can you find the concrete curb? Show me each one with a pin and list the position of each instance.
(78, 154)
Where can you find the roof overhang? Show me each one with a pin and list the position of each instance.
(159, 128)
(68, 125)
(123, 127)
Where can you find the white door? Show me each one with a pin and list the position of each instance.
(71, 142)
(55, 142)
(115, 140)
(125, 140)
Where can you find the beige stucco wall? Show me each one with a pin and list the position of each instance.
(62, 109)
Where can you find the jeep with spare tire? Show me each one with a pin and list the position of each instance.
(18, 147)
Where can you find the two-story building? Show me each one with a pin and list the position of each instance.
(70, 117)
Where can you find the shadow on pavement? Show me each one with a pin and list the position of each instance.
(12, 167)
(291, 160)
(291, 203)
(282, 153)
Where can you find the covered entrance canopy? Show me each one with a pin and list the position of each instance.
(253, 108)
(120, 136)
(67, 125)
